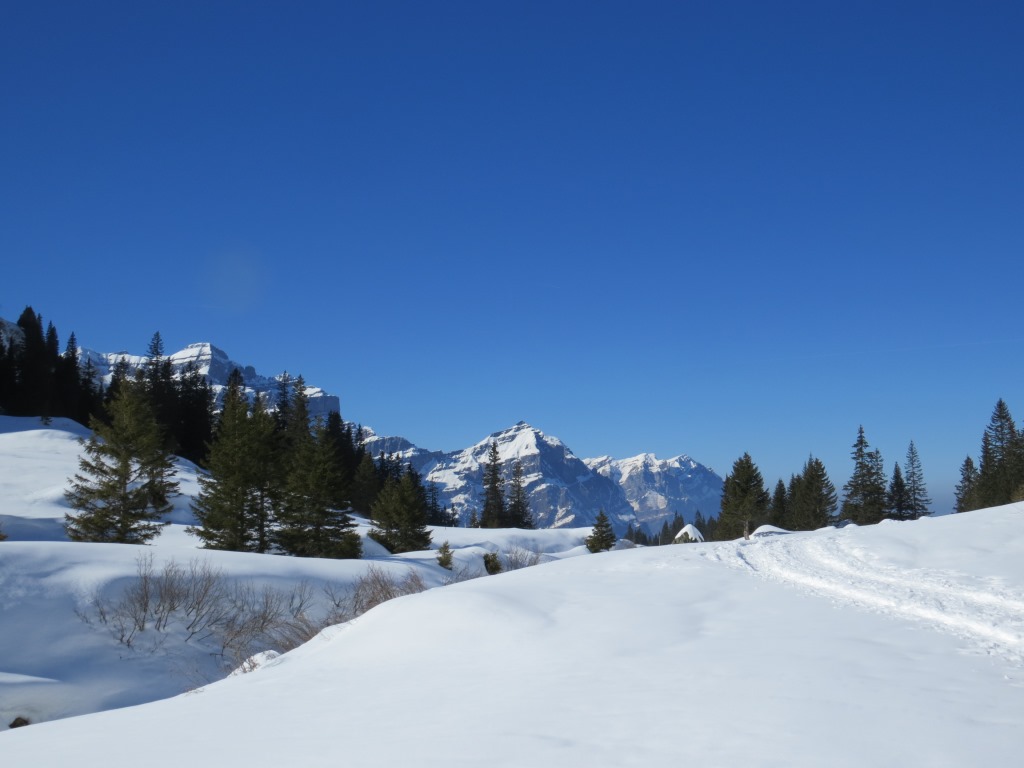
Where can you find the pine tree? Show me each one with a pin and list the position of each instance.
(125, 478)
(444, 556)
(864, 492)
(917, 494)
(1001, 470)
(603, 537)
(309, 526)
(812, 501)
(365, 485)
(268, 473)
(744, 500)
(966, 489)
(494, 513)
(194, 408)
(777, 510)
(224, 503)
(897, 502)
(519, 515)
(400, 516)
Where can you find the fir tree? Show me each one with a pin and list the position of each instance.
(744, 500)
(494, 513)
(897, 502)
(602, 537)
(124, 483)
(365, 485)
(444, 556)
(966, 489)
(309, 526)
(1001, 470)
(400, 515)
(777, 510)
(519, 515)
(864, 492)
(917, 494)
(267, 472)
(812, 498)
(224, 504)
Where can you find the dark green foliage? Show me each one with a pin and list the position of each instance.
(492, 563)
(917, 494)
(444, 556)
(602, 537)
(494, 513)
(193, 409)
(777, 510)
(1001, 469)
(3, 536)
(519, 515)
(365, 485)
(744, 500)
(812, 498)
(897, 503)
(400, 515)
(966, 488)
(227, 507)
(125, 477)
(864, 492)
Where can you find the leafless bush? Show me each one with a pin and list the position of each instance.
(520, 557)
(377, 586)
(200, 605)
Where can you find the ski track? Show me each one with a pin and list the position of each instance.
(990, 618)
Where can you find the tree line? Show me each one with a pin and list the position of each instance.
(810, 501)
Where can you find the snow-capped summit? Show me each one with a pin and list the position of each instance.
(657, 489)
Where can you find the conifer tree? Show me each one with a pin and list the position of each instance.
(519, 515)
(365, 485)
(812, 500)
(777, 510)
(494, 513)
(1001, 470)
(864, 492)
(744, 500)
(917, 494)
(3, 536)
(125, 477)
(308, 526)
(897, 503)
(223, 505)
(602, 537)
(269, 474)
(966, 489)
(400, 515)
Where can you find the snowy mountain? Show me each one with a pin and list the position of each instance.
(656, 488)
(216, 366)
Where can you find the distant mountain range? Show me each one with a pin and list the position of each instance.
(563, 490)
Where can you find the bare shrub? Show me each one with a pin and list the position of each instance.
(377, 586)
(520, 557)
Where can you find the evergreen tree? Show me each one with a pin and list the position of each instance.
(864, 492)
(744, 500)
(444, 556)
(365, 485)
(603, 537)
(812, 498)
(309, 526)
(917, 494)
(966, 489)
(1001, 470)
(34, 368)
(124, 483)
(340, 437)
(519, 515)
(400, 515)
(194, 408)
(897, 502)
(267, 472)
(3, 536)
(494, 513)
(223, 505)
(777, 510)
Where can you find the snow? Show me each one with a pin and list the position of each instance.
(890, 645)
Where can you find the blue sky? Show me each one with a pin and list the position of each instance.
(685, 227)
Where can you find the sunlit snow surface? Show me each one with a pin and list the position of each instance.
(899, 644)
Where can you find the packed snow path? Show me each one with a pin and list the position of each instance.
(836, 565)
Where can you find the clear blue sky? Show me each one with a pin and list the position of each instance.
(700, 227)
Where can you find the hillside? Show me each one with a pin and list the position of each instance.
(898, 644)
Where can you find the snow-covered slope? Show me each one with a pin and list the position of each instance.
(892, 645)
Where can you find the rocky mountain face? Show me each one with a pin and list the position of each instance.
(563, 490)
